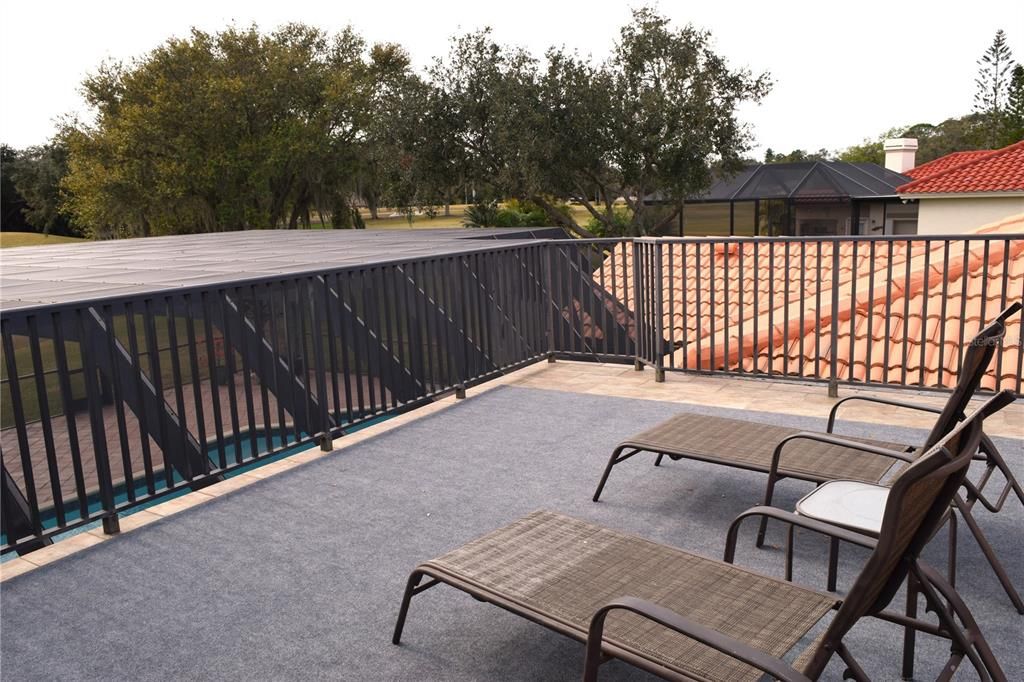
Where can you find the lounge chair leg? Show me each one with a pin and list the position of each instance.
(657, 462)
(909, 633)
(410, 590)
(967, 640)
(789, 552)
(990, 554)
(616, 457)
(762, 527)
(853, 669)
(952, 547)
(833, 563)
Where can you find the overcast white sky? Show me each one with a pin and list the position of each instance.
(843, 71)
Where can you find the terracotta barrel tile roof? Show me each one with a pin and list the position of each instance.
(945, 162)
(729, 305)
(1001, 170)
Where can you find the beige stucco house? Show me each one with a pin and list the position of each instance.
(961, 192)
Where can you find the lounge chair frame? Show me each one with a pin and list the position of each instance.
(918, 502)
(976, 360)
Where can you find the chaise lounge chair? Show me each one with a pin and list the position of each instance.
(685, 617)
(783, 452)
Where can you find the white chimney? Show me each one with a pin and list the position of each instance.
(900, 153)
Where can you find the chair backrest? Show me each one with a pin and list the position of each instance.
(976, 360)
(918, 501)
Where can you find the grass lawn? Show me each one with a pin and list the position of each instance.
(386, 221)
(34, 239)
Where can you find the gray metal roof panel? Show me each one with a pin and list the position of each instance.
(70, 272)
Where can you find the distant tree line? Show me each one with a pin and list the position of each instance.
(241, 129)
(997, 118)
(30, 191)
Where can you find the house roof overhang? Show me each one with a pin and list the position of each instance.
(961, 195)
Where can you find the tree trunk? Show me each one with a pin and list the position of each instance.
(560, 218)
(371, 204)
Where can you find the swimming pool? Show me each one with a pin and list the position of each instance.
(231, 453)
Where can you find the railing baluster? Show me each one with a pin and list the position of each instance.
(869, 311)
(176, 379)
(227, 314)
(197, 386)
(274, 370)
(142, 416)
(785, 310)
(853, 314)
(156, 377)
(741, 293)
(332, 348)
(316, 317)
(801, 366)
(45, 419)
(906, 310)
(96, 426)
(348, 374)
(817, 312)
(943, 313)
(756, 343)
(1002, 306)
(924, 315)
(116, 391)
(771, 307)
(24, 451)
(966, 266)
(888, 312)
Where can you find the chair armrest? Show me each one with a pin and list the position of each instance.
(773, 472)
(882, 401)
(718, 641)
(790, 517)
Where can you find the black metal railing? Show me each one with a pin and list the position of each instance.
(891, 311)
(111, 403)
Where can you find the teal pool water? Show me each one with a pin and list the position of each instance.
(244, 448)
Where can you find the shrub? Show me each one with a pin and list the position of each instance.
(481, 215)
(621, 221)
(514, 213)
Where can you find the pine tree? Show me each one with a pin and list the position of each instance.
(1013, 121)
(993, 82)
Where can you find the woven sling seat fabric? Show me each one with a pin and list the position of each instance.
(747, 444)
(565, 570)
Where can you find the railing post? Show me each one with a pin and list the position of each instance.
(659, 317)
(833, 375)
(638, 316)
(457, 345)
(111, 524)
(549, 298)
(317, 317)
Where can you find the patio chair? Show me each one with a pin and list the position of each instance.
(686, 617)
(783, 452)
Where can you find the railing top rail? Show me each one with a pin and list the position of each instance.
(593, 240)
(490, 246)
(833, 238)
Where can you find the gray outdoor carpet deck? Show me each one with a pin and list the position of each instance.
(300, 576)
